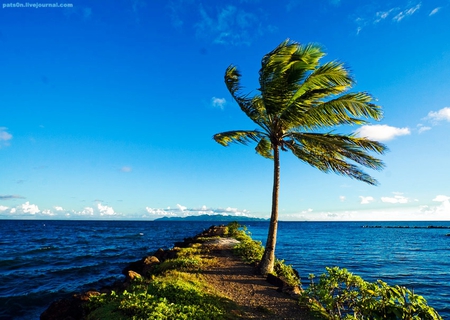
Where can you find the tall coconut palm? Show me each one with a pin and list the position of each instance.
(298, 100)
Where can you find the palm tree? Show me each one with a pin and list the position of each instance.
(298, 98)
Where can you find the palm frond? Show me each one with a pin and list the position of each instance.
(328, 79)
(264, 148)
(343, 147)
(237, 136)
(282, 70)
(326, 162)
(251, 106)
(345, 109)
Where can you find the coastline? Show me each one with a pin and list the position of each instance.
(252, 296)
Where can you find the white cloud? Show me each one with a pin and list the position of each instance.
(29, 208)
(381, 132)
(126, 169)
(87, 211)
(395, 199)
(48, 213)
(57, 208)
(105, 210)
(183, 211)
(218, 102)
(159, 212)
(434, 11)
(4, 137)
(3, 208)
(440, 115)
(441, 198)
(408, 12)
(439, 212)
(366, 200)
(342, 198)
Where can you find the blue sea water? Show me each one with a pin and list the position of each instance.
(41, 261)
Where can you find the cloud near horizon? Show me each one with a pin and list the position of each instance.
(183, 211)
(381, 132)
(397, 198)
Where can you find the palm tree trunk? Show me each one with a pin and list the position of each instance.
(268, 259)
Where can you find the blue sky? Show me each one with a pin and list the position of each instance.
(107, 110)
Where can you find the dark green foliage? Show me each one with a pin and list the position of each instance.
(249, 250)
(233, 229)
(287, 272)
(342, 295)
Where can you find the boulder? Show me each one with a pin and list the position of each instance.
(64, 309)
(149, 264)
(283, 286)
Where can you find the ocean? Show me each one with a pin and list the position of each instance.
(41, 261)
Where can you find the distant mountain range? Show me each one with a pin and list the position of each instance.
(207, 217)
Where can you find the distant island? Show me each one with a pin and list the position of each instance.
(207, 217)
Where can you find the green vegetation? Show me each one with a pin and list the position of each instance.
(251, 252)
(342, 295)
(174, 291)
(176, 296)
(299, 103)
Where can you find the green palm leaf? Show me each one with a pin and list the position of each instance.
(237, 136)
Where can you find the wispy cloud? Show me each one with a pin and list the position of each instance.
(5, 136)
(126, 169)
(230, 25)
(382, 15)
(9, 197)
(407, 12)
(381, 132)
(395, 14)
(434, 11)
(422, 128)
(218, 102)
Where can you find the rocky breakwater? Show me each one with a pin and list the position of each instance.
(213, 238)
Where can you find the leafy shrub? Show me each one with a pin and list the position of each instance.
(250, 251)
(232, 229)
(287, 272)
(342, 295)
